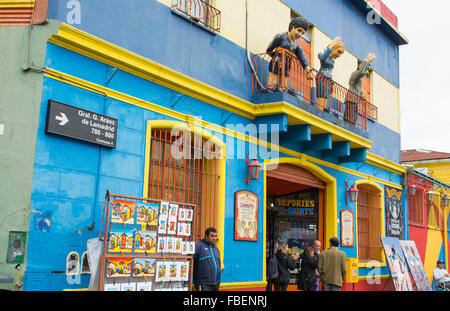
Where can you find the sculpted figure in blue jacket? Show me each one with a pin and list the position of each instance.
(324, 83)
(287, 42)
(207, 262)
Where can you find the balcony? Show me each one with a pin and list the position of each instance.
(342, 103)
(200, 12)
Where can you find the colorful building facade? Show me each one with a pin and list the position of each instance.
(172, 75)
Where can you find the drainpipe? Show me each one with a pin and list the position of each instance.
(246, 46)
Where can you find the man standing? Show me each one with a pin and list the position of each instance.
(207, 262)
(441, 275)
(317, 245)
(332, 266)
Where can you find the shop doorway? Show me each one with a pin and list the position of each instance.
(295, 211)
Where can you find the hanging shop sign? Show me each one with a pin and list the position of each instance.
(347, 225)
(394, 212)
(246, 216)
(296, 207)
(81, 124)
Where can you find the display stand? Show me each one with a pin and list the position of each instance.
(148, 244)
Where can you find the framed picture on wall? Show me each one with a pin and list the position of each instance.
(347, 231)
(246, 216)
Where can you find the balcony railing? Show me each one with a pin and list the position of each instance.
(199, 11)
(291, 77)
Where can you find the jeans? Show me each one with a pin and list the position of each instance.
(280, 286)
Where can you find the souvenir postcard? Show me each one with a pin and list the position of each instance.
(173, 271)
(189, 214)
(172, 225)
(119, 267)
(123, 212)
(161, 271)
(178, 245)
(183, 270)
(120, 240)
(182, 214)
(128, 287)
(162, 227)
(147, 214)
(145, 241)
(191, 247)
(143, 286)
(173, 210)
(184, 229)
(164, 209)
(161, 244)
(144, 267)
(170, 245)
(184, 247)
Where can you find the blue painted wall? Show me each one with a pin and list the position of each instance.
(71, 177)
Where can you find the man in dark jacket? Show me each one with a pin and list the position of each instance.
(207, 262)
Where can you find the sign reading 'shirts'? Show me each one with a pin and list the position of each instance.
(81, 124)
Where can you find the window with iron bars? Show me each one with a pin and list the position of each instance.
(190, 177)
(200, 11)
(369, 223)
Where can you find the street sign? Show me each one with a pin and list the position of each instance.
(81, 124)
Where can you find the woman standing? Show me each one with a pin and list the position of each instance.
(285, 263)
(307, 278)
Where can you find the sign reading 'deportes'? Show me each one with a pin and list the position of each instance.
(81, 124)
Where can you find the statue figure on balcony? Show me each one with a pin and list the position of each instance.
(324, 82)
(287, 42)
(353, 97)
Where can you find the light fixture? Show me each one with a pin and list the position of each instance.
(430, 196)
(412, 190)
(445, 200)
(253, 169)
(351, 193)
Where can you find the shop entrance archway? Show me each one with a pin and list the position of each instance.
(295, 200)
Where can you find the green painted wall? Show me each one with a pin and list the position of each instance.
(20, 100)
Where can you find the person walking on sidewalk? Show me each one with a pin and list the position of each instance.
(332, 266)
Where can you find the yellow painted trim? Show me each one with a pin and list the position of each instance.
(299, 116)
(65, 78)
(331, 227)
(168, 124)
(17, 3)
(393, 167)
(382, 232)
(76, 290)
(239, 285)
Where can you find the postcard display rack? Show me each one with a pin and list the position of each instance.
(148, 244)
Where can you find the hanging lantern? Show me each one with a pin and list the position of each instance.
(253, 169)
(351, 193)
(412, 190)
(445, 200)
(430, 196)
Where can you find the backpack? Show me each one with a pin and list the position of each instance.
(272, 267)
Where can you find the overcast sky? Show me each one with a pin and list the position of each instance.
(424, 73)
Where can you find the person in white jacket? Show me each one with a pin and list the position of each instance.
(441, 275)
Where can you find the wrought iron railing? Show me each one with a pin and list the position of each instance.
(199, 11)
(283, 71)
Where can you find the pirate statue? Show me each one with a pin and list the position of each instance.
(287, 42)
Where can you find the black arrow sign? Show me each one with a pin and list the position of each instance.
(81, 124)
